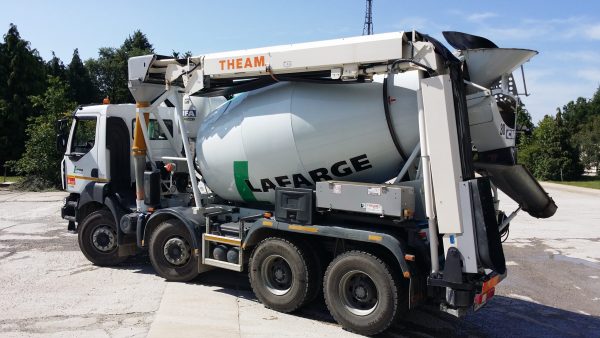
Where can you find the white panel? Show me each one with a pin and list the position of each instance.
(314, 55)
(488, 130)
(466, 242)
(444, 153)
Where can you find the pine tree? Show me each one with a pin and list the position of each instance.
(55, 67)
(82, 89)
(22, 75)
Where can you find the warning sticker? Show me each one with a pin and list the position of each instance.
(374, 191)
(372, 207)
(337, 188)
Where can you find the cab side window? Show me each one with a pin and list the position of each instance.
(155, 132)
(84, 137)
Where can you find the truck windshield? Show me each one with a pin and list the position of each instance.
(84, 136)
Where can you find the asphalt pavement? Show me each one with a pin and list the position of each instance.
(47, 287)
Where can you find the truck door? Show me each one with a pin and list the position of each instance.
(81, 157)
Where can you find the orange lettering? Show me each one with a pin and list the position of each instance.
(259, 61)
(222, 63)
(248, 63)
(230, 64)
(238, 63)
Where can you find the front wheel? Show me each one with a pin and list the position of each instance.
(171, 252)
(362, 293)
(98, 239)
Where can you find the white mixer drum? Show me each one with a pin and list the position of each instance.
(293, 134)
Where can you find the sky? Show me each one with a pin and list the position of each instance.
(565, 33)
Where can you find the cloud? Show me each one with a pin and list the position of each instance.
(552, 29)
(592, 32)
(479, 17)
(552, 88)
(587, 56)
(590, 74)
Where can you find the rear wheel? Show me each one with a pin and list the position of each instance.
(98, 239)
(362, 293)
(283, 275)
(171, 252)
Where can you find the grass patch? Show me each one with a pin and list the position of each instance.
(585, 182)
(10, 178)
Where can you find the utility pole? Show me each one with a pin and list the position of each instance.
(368, 27)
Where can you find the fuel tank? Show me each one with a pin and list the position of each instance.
(292, 134)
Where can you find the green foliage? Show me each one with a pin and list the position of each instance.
(548, 152)
(179, 55)
(40, 163)
(82, 89)
(588, 140)
(55, 67)
(22, 74)
(109, 71)
(524, 122)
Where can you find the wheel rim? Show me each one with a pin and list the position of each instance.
(104, 238)
(358, 293)
(177, 251)
(277, 275)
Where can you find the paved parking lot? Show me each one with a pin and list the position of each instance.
(47, 287)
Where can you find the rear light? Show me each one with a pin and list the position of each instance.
(70, 180)
(484, 296)
(490, 284)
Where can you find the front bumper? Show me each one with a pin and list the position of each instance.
(69, 211)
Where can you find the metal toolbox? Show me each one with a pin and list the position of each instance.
(379, 199)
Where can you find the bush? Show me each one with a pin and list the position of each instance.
(40, 163)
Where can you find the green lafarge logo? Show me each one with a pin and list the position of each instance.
(339, 169)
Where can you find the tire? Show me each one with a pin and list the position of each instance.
(171, 252)
(97, 238)
(362, 294)
(283, 274)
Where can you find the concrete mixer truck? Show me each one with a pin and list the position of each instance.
(365, 168)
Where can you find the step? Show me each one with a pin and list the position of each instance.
(223, 264)
(223, 239)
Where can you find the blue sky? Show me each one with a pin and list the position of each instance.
(566, 33)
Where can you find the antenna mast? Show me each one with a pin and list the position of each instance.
(368, 27)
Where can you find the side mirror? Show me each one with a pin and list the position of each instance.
(62, 136)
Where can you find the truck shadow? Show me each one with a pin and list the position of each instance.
(503, 317)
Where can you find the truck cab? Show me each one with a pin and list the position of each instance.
(97, 150)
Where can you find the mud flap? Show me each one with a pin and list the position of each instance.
(518, 183)
(489, 244)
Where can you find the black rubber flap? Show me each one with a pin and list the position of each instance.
(464, 41)
(489, 244)
(518, 183)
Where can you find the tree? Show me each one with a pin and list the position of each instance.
(524, 125)
(109, 71)
(588, 140)
(179, 55)
(40, 163)
(82, 89)
(55, 67)
(22, 74)
(549, 153)
(576, 113)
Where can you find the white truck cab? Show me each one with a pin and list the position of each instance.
(98, 150)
